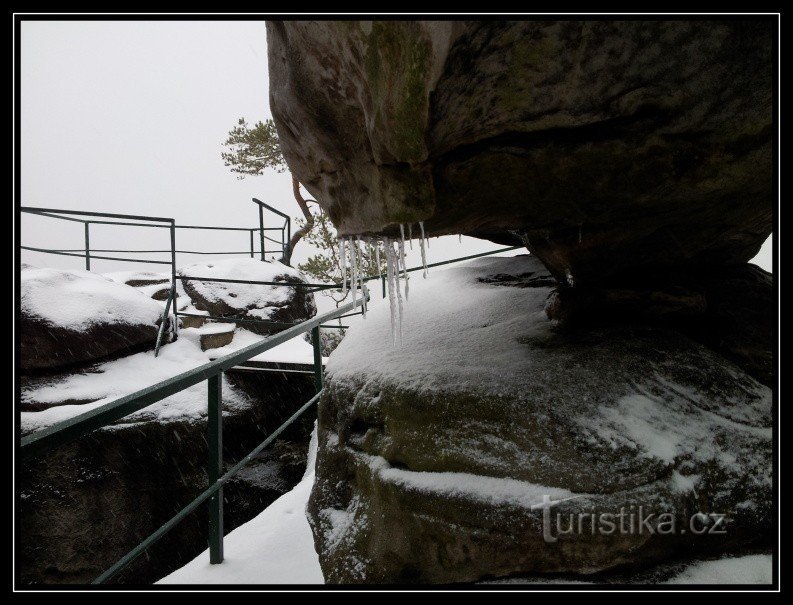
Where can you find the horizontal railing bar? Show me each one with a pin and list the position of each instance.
(338, 286)
(77, 426)
(129, 260)
(230, 320)
(250, 282)
(152, 251)
(335, 326)
(216, 228)
(63, 218)
(202, 497)
(418, 268)
(277, 370)
(349, 315)
(34, 210)
(129, 224)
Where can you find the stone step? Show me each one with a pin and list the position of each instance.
(212, 335)
(192, 322)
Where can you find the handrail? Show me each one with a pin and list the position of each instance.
(36, 210)
(67, 430)
(210, 491)
(46, 439)
(156, 222)
(271, 209)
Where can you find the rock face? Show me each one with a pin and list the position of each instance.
(607, 147)
(88, 503)
(435, 457)
(270, 303)
(72, 317)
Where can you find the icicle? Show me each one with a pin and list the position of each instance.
(343, 261)
(423, 253)
(359, 269)
(459, 238)
(404, 266)
(377, 259)
(410, 235)
(395, 271)
(391, 295)
(361, 275)
(353, 264)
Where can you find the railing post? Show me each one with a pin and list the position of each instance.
(252, 230)
(261, 228)
(317, 358)
(175, 326)
(215, 467)
(383, 286)
(87, 247)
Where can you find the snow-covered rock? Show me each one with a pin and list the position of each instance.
(276, 547)
(124, 481)
(70, 317)
(435, 457)
(282, 304)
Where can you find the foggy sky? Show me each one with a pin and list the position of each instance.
(129, 117)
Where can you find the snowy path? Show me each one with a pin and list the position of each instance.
(276, 547)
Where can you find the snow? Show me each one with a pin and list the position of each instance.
(113, 379)
(276, 547)
(214, 328)
(488, 490)
(123, 277)
(259, 300)
(489, 340)
(295, 350)
(748, 569)
(77, 299)
(452, 315)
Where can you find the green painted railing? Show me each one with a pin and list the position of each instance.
(63, 432)
(131, 220)
(44, 440)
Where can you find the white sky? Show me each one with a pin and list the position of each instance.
(129, 117)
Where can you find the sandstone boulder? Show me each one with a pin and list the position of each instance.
(436, 457)
(271, 303)
(607, 147)
(73, 317)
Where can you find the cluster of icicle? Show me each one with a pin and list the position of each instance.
(351, 256)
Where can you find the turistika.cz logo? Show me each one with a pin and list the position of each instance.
(629, 521)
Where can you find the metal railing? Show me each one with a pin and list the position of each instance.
(63, 432)
(44, 440)
(130, 220)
